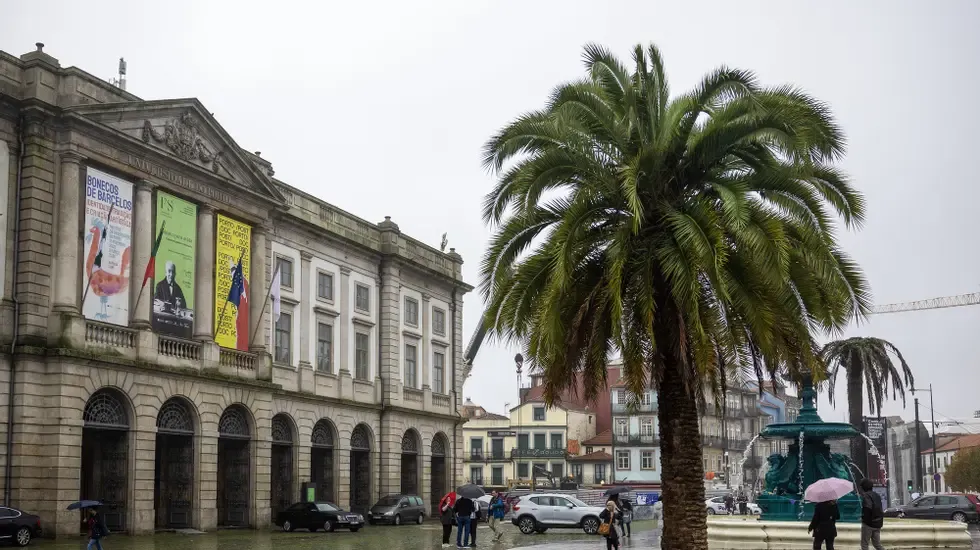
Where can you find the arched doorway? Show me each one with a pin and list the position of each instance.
(440, 485)
(173, 479)
(321, 461)
(105, 455)
(234, 465)
(282, 464)
(410, 462)
(360, 469)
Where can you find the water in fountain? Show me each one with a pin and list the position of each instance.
(745, 455)
(881, 460)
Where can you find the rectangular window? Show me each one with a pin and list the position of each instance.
(557, 469)
(577, 473)
(362, 297)
(622, 460)
(540, 441)
(476, 447)
(476, 475)
(588, 450)
(284, 331)
(522, 470)
(411, 312)
(600, 473)
(285, 267)
(622, 427)
(411, 367)
(439, 372)
(324, 347)
(522, 442)
(439, 321)
(646, 426)
(646, 399)
(324, 286)
(497, 476)
(556, 441)
(361, 355)
(538, 414)
(647, 460)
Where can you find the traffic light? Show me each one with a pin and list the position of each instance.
(909, 485)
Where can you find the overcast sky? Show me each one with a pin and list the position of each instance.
(382, 108)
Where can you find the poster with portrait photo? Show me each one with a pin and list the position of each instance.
(173, 276)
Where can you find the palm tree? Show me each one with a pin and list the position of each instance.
(693, 236)
(867, 363)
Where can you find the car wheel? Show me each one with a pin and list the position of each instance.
(527, 525)
(287, 526)
(398, 519)
(354, 529)
(901, 515)
(421, 519)
(590, 526)
(328, 526)
(23, 537)
(960, 517)
(711, 511)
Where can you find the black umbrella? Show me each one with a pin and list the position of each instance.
(84, 504)
(470, 491)
(616, 491)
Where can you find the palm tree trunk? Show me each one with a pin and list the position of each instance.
(855, 412)
(684, 516)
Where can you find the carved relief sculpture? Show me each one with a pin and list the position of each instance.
(180, 135)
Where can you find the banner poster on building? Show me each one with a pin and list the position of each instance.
(234, 242)
(108, 237)
(173, 274)
(876, 429)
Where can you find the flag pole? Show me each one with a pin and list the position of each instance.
(148, 262)
(225, 307)
(264, 302)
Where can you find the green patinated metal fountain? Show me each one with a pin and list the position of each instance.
(788, 476)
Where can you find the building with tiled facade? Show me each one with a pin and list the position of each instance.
(127, 397)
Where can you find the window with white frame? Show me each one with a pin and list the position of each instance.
(622, 427)
(411, 366)
(439, 372)
(361, 355)
(622, 460)
(439, 321)
(646, 398)
(284, 335)
(324, 285)
(285, 267)
(648, 460)
(600, 473)
(324, 347)
(362, 297)
(646, 426)
(538, 414)
(411, 311)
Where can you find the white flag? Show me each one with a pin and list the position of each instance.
(275, 292)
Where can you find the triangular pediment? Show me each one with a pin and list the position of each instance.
(184, 129)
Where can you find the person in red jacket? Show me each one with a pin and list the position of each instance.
(447, 515)
(95, 529)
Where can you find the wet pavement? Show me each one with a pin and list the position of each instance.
(406, 537)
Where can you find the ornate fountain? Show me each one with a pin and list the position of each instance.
(809, 459)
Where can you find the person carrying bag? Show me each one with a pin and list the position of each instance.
(607, 527)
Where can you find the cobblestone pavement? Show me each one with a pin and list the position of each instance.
(406, 537)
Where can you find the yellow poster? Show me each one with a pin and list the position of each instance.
(232, 248)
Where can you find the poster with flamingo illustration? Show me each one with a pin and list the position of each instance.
(233, 245)
(108, 238)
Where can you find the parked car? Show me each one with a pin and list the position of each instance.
(18, 526)
(716, 505)
(536, 513)
(953, 506)
(318, 515)
(397, 509)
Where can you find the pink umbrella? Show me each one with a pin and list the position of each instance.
(831, 488)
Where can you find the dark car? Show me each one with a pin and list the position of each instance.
(954, 506)
(318, 515)
(397, 509)
(18, 526)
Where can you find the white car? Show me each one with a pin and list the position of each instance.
(538, 512)
(716, 505)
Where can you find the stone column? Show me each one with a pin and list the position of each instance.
(346, 366)
(66, 259)
(257, 287)
(204, 276)
(205, 507)
(425, 361)
(144, 233)
(307, 383)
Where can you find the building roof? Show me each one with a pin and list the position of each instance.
(967, 441)
(602, 438)
(598, 456)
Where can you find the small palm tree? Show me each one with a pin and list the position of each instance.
(691, 235)
(868, 364)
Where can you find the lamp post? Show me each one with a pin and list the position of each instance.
(932, 420)
(519, 361)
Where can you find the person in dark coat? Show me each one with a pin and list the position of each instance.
(627, 518)
(872, 516)
(447, 515)
(464, 511)
(823, 525)
(729, 504)
(96, 530)
(611, 515)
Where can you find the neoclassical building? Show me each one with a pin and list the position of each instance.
(188, 401)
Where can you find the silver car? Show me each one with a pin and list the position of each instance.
(538, 512)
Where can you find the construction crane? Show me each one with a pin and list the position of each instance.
(932, 303)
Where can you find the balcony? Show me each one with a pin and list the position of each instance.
(719, 442)
(493, 456)
(624, 408)
(475, 455)
(538, 453)
(636, 439)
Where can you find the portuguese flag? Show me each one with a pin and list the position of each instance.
(151, 265)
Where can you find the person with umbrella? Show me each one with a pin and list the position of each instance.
(823, 524)
(96, 529)
(612, 495)
(465, 508)
(447, 515)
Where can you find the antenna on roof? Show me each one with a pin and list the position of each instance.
(121, 81)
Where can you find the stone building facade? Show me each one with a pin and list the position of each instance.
(354, 388)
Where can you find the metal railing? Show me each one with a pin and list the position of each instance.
(624, 408)
(538, 453)
(636, 439)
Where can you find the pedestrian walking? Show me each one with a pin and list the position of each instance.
(627, 517)
(729, 504)
(743, 504)
(447, 515)
(872, 516)
(497, 511)
(607, 527)
(823, 525)
(96, 529)
(464, 511)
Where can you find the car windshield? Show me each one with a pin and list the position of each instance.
(388, 501)
(575, 501)
(326, 507)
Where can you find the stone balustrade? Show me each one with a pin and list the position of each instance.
(110, 336)
(178, 348)
(238, 360)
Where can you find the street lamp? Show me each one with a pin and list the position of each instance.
(932, 414)
(519, 361)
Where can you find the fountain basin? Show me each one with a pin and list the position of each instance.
(755, 534)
